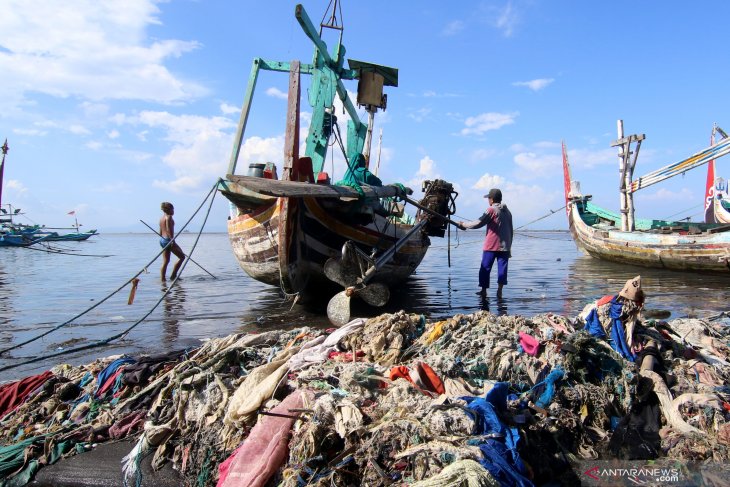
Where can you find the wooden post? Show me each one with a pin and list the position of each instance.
(622, 175)
(369, 134)
(626, 167)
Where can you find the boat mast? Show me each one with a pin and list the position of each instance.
(626, 167)
(5, 149)
(380, 146)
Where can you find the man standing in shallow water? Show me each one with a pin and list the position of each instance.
(167, 233)
(497, 242)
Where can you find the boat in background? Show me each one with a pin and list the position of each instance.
(76, 236)
(717, 203)
(621, 238)
(306, 235)
(14, 234)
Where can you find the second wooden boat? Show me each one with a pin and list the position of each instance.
(619, 237)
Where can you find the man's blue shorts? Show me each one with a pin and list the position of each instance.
(164, 241)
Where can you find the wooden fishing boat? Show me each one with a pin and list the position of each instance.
(14, 234)
(72, 237)
(619, 237)
(311, 237)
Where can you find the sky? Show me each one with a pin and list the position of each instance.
(110, 108)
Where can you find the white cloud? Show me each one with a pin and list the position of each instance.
(227, 109)
(537, 165)
(485, 122)
(78, 130)
(30, 132)
(453, 28)
(663, 194)
(471, 202)
(488, 181)
(507, 19)
(547, 144)
(420, 115)
(113, 134)
(277, 93)
(535, 84)
(94, 110)
(200, 146)
(426, 170)
(435, 94)
(15, 185)
(586, 158)
(92, 49)
(114, 187)
(481, 154)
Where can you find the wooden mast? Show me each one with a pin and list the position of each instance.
(5, 149)
(626, 167)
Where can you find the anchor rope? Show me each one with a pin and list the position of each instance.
(143, 270)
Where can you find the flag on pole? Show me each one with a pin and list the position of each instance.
(73, 212)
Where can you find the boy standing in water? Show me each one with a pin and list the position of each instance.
(167, 233)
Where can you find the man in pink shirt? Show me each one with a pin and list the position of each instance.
(497, 242)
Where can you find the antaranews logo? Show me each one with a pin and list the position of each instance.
(633, 475)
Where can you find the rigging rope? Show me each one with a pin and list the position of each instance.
(552, 212)
(144, 269)
(684, 211)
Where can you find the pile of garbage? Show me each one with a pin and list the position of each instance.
(475, 399)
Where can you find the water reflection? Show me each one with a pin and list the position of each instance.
(173, 307)
(684, 294)
(6, 300)
(498, 305)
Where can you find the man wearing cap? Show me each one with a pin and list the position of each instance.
(497, 242)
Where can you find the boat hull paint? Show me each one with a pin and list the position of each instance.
(706, 252)
(722, 215)
(314, 234)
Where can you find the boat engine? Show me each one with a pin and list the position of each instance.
(439, 198)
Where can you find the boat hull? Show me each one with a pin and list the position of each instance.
(72, 237)
(286, 243)
(704, 252)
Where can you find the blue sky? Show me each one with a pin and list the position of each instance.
(111, 107)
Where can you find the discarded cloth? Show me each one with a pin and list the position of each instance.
(530, 344)
(15, 393)
(422, 376)
(264, 450)
(109, 371)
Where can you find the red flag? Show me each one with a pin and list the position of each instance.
(73, 212)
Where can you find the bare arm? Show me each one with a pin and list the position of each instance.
(477, 223)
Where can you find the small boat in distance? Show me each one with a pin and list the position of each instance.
(619, 237)
(306, 234)
(76, 236)
(14, 234)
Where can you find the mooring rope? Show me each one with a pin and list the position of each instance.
(143, 270)
(51, 250)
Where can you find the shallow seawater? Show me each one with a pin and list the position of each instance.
(40, 291)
